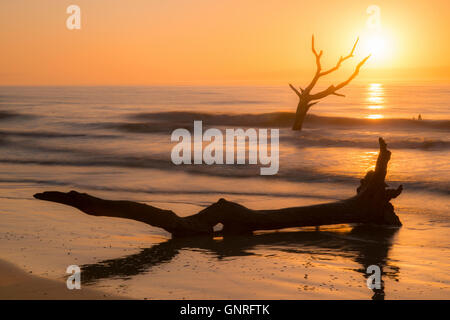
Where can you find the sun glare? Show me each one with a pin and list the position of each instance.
(378, 45)
(376, 40)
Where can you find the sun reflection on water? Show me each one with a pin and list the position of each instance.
(375, 107)
(375, 99)
(375, 116)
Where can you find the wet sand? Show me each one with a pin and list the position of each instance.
(126, 258)
(18, 284)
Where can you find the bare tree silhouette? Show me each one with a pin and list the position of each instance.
(307, 99)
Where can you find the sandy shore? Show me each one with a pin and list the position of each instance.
(124, 258)
(17, 284)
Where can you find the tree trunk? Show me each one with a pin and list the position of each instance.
(300, 115)
(370, 205)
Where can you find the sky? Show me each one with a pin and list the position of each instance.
(190, 42)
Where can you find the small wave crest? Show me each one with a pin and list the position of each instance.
(302, 174)
(313, 140)
(8, 115)
(274, 120)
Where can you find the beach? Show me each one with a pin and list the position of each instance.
(16, 284)
(114, 143)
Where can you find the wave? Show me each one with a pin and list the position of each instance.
(282, 119)
(273, 120)
(167, 122)
(8, 115)
(231, 102)
(425, 144)
(162, 191)
(292, 174)
(52, 134)
(302, 139)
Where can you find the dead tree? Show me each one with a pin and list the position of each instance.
(307, 99)
(371, 205)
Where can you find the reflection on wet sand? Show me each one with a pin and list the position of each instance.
(365, 245)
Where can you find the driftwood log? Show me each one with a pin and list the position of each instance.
(371, 205)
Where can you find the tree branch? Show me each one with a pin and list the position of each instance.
(295, 90)
(318, 67)
(332, 89)
(312, 103)
(341, 59)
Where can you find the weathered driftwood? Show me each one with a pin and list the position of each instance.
(370, 205)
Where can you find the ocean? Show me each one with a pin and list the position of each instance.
(115, 142)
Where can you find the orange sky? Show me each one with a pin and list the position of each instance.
(139, 42)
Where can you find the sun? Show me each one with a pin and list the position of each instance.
(379, 45)
(376, 44)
